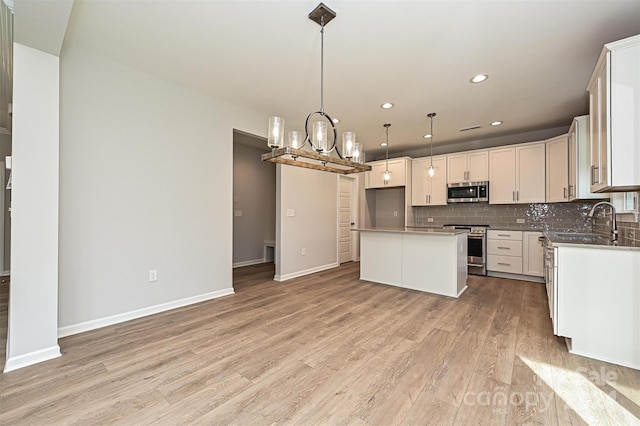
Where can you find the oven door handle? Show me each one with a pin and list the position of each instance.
(475, 237)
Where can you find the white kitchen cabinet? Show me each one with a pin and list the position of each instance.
(614, 112)
(532, 253)
(557, 150)
(397, 169)
(427, 190)
(504, 251)
(517, 174)
(596, 306)
(580, 161)
(472, 166)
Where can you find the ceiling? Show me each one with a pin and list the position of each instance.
(420, 55)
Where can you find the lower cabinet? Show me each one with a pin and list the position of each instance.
(533, 253)
(516, 252)
(504, 251)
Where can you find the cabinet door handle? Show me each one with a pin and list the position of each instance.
(593, 175)
(513, 195)
(504, 235)
(565, 192)
(504, 264)
(504, 248)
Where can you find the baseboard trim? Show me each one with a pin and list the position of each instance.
(249, 262)
(297, 274)
(519, 277)
(127, 316)
(35, 357)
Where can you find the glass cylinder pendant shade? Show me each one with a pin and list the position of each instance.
(348, 144)
(295, 139)
(358, 154)
(432, 171)
(319, 138)
(275, 137)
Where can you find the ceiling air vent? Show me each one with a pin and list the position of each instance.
(465, 129)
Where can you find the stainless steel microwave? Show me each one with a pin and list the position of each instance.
(468, 192)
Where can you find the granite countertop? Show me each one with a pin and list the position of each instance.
(588, 240)
(415, 230)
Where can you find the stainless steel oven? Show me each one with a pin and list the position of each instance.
(476, 248)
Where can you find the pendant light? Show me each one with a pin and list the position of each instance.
(432, 170)
(323, 136)
(387, 174)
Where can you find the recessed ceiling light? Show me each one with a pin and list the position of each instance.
(383, 144)
(479, 78)
(335, 120)
(386, 105)
(496, 123)
(427, 136)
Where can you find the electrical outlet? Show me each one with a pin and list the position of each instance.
(153, 275)
(237, 213)
(631, 233)
(519, 220)
(429, 219)
(395, 214)
(304, 251)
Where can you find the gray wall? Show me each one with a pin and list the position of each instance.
(145, 183)
(388, 201)
(313, 197)
(254, 194)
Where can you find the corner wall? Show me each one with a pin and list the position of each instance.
(312, 196)
(33, 312)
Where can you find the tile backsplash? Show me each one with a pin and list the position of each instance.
(539, 216)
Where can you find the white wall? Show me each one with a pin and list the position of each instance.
(254, 195)
(313, 196)
(5, 150)
(145, 183)
(33, 313)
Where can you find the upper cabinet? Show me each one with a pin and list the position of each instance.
(517, 174)
(614, 112)
(580, 161)
(557, 169)
(398, 170)
(429, 190)
(472, 166)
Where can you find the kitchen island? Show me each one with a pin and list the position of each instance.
(432, 260)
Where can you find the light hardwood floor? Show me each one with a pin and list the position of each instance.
(326, 349)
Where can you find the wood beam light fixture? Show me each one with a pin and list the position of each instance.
(324, 153)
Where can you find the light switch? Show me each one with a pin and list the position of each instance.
(519, 220)
(291, 212)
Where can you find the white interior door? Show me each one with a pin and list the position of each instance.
(345, 220)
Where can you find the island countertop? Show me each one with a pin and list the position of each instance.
(415, 230)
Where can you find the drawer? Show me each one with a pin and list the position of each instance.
(509, 264)
(504, 247)
(493, 234)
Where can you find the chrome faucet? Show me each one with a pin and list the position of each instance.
(614, 226)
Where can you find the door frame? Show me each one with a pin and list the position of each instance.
(355, 197)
